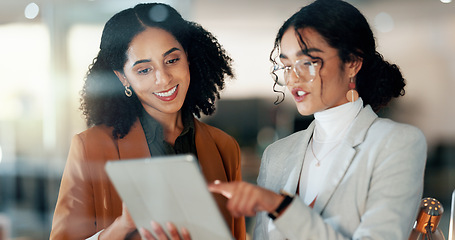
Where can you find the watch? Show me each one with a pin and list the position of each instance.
(283, 205)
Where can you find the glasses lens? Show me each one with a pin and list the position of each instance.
(306, 70)
(279, 74)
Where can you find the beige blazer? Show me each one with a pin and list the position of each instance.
(88, 202)
(372, 190)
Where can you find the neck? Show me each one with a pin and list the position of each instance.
(171, 123)
(333, 122)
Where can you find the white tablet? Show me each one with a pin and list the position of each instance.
(168, 189)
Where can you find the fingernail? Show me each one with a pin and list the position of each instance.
(154, 224)
(168, 225)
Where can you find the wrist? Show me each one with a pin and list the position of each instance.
(287, 200)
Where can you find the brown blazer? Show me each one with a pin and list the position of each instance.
(88, 202)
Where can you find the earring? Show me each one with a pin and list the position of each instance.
(128, 91)
(352, 95)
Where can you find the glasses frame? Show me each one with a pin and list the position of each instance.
(311, 66)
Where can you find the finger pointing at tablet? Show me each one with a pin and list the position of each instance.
(224, 189)
(246, 199)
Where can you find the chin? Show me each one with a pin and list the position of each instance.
(305, 111)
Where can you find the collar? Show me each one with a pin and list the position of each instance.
(153, 129)
(331, 124)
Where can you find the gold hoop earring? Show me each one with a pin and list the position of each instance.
(128, 91)
(352, 95)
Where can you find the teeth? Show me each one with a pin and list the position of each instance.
(300, 93)
(166, 94)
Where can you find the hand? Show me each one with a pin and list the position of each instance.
(246, 199)
(126, 218)
(161, 234)
(121, 227)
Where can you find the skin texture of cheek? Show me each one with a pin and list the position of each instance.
(323, 95)
(335, 95)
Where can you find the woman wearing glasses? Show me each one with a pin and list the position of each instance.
(154, 72)
(350, 174)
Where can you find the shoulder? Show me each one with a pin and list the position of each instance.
(368, 128)
(95, 141)
(289, 142)
(394, 143)
(291, 138)
(97, 134)
(395, 130)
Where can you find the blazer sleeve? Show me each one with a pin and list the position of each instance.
(74, 211)
(394, 193)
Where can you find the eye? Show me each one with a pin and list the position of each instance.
(144, 71)
(307, 63)
(317, 62)
(174, 60)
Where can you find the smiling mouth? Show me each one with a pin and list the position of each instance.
(166, 93)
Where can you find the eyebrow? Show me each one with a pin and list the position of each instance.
(302, 52)
(164, 55)
(141, 61)
(171, 51)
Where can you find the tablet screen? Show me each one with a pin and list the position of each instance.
(168, 189)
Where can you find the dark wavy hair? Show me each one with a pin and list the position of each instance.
(346, 29)
(102, 98)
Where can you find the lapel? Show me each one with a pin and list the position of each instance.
(133, 145)
(355, 136)
(208, 154)
(291, 175)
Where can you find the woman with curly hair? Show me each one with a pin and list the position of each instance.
(350, 174)
(154, 72)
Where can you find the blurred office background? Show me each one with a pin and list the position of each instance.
(47, 45)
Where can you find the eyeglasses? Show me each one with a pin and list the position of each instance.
(304, 69)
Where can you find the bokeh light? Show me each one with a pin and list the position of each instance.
(384, 22)
(31, 11)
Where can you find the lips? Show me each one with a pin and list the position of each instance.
(299, 94)
(167, 95)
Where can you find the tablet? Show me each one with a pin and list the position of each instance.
(168, 189)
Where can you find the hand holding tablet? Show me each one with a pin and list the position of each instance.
(168, 189)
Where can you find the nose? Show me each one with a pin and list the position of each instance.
(293, 78)
(163, 77)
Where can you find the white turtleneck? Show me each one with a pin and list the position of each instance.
(331, 126)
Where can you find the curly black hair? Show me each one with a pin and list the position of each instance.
(346, 29)
(102, 98)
